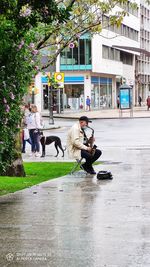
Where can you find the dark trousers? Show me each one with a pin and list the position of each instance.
(89, 158)
(24, 144)
(35, 146)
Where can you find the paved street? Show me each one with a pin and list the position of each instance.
(78, 221)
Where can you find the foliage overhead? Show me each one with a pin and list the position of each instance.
(26, 28)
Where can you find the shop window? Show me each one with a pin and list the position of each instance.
(74, 96)
(105, 92)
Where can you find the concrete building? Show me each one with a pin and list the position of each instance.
(143, 61)
(96, 66)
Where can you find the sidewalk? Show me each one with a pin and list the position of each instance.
(138, 112)
(78, 221)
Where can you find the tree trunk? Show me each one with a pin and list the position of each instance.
(16, 169)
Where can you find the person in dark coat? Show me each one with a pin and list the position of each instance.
(148, 102)
(139, 100)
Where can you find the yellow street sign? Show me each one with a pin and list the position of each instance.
(59, 77)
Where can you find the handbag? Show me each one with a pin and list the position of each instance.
(37, 131)
(104, 175)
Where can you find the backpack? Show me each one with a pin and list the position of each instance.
(104, 175)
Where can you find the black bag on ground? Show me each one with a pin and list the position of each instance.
(104, 175)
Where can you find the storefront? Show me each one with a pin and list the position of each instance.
(74, 92)
(101, 92)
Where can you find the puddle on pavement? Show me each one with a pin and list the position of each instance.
(110, 162)
(139, 148)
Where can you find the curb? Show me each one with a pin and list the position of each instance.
(51, 128)
(99, 118)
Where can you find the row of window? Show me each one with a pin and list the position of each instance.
(144, 58)
(145, 44)
(144, 78)
(145, 34)
(122, 30)
(145, 22)
(145, 11)
(129, 7)
(144, 67)
(115, 54)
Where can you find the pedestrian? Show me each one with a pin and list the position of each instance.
(25, 132)
(25, 138)
(118, 102)
(78, 148)
(88, 103)
(148, 102)
(139, 100)
(34, 125)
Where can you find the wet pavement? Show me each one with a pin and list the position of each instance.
(78, 221)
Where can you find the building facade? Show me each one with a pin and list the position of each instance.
(142, 70)
(96, 66)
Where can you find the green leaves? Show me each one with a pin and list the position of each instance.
(28, 27)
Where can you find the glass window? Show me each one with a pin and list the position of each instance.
(75, 56)
(111, 53)
(87, 51)
(126, 58)
(105, 51)
(82, 52)
(105, 92)
(79, 55)
(95, 96)
(101, 93)
(74, 96)
(117, 55)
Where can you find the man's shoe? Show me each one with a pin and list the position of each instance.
(92, 172)
(84, 168)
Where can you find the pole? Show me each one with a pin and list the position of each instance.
(58, 101)
(51, 118)
(32, 97)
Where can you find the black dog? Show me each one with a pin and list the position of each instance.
(48, 140)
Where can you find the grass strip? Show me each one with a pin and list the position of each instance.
(36, 173)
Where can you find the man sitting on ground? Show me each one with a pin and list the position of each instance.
(76, 147)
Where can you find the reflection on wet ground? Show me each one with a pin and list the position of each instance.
(80, 221)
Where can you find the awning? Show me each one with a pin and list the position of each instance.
(134, 49)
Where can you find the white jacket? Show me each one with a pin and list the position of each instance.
(75, 141)
(33, 121)
(26, 135)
